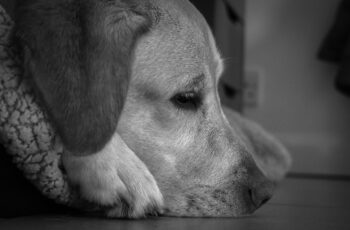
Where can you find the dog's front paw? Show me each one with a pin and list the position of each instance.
(115, 178)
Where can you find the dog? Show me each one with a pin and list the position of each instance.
(131, 88)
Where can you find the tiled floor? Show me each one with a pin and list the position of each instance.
(298, 204)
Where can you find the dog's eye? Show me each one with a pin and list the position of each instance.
(188, 100)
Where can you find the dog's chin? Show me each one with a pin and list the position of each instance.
(208, 201)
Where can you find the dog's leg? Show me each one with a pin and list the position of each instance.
(117, 178)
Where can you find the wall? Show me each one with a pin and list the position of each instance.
(299, 103)
(229, 37)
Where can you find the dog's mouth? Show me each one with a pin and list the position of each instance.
(207, 201)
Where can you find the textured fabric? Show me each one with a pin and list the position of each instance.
(24, 130)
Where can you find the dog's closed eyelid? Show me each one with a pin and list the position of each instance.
(187, 100)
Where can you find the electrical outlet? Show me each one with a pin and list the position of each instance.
(252, 88)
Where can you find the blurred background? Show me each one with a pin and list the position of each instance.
(286, 69)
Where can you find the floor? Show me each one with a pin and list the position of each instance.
(298, 204)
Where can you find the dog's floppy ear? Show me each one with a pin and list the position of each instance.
(78, 53)
(268, 152)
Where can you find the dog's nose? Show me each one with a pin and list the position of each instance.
(260, 188)
(259, 196)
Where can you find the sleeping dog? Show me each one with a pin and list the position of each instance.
(131, 88)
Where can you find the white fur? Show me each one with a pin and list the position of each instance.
(114, 174)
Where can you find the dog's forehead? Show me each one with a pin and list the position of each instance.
(179, 44)
(180, 16)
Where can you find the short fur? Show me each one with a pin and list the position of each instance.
(166, 153)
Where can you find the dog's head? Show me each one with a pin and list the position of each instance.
(164, 53)
(173, 120)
